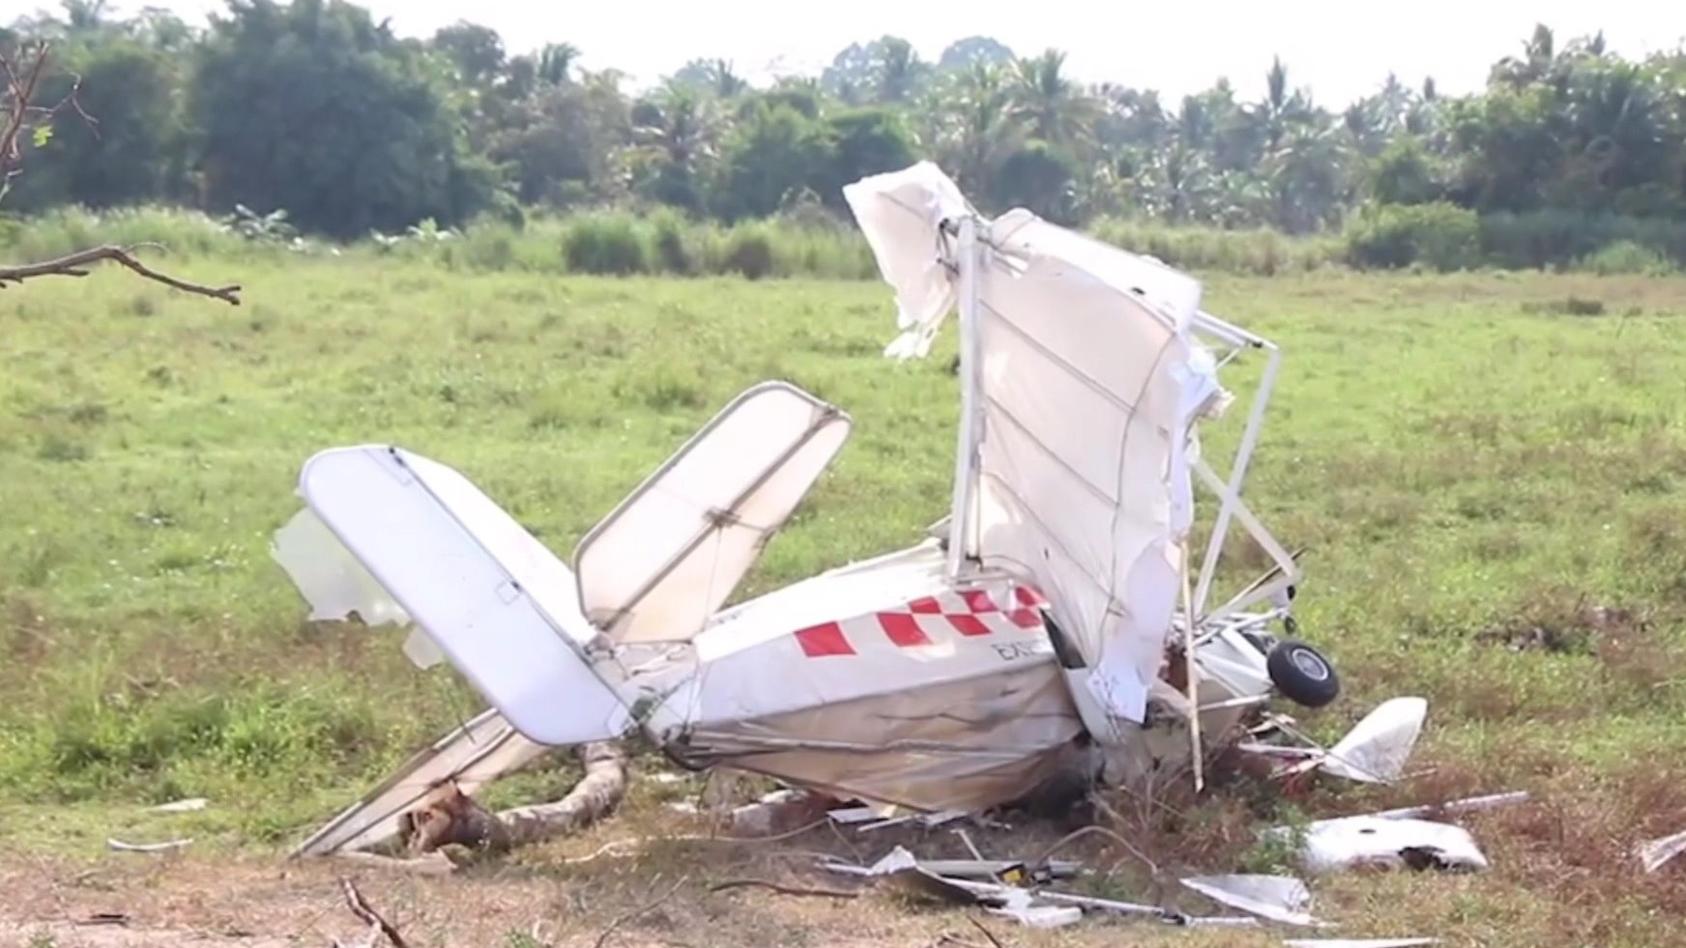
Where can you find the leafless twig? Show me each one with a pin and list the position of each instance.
(622, 920)
(20, 84)
(986, 932)
(778, 887)
(75, 265)
(1100, 830)
(366, 913)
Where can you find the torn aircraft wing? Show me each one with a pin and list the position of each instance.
(660, 565)
(482, 589)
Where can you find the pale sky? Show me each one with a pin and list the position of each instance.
(1340, 49)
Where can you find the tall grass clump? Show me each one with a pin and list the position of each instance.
(748, 250)
(673, 242)
(1258, 251)
(1438, 235)
(606, 243)
(1626, 257)
(64, 230)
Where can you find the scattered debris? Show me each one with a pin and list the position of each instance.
(106, 918)
(1659, 851)
(1363, 841)
(117, 845)
(1279, 898)
(779, 811)
(190, 805)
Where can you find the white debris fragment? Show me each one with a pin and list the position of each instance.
(1376, 749)
(853, 814)
(190, 805)
(117, 845)
(1353, 841)
(1659, 851)
(1040, 916)
(1279, 898)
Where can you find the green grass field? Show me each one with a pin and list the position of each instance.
(1478, 465)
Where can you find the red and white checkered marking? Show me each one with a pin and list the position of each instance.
(926, 621)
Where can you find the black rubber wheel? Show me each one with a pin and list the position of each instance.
(1302, 674)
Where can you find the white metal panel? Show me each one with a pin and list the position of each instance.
(451, 559)
(666, 559)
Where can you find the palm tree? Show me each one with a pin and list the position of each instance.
(1281, 108)
(1054, 108)
(555, 61)
(897, 70)
(723, 79)
(980, 127)
(677, 133)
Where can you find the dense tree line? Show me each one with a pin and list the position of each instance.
(313, 107)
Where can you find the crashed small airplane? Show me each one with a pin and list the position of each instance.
(1058, 617)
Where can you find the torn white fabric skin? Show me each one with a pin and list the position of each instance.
(898, 212)
(332, 580)
(1376, 749)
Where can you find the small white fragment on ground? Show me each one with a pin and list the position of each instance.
(685, 807)
(1041, 916)
(1360, 942)
(1659, 851)
(666, 777)
(1376, 749)
(1279, 898)
(1355, 841)
(853, 814)
(189, 805)
(117, 845)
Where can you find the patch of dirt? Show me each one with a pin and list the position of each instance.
(1567, 627)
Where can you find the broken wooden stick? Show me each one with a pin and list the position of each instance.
(450, 817)
(366, 913)
(76, 265)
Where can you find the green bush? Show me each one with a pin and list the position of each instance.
(1626, 256)
(1438, 235)
(671, 243)
(605, 243)
(749, 251)
(1558, 238)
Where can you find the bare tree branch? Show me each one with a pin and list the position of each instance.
(20, 83)
(74, 265)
